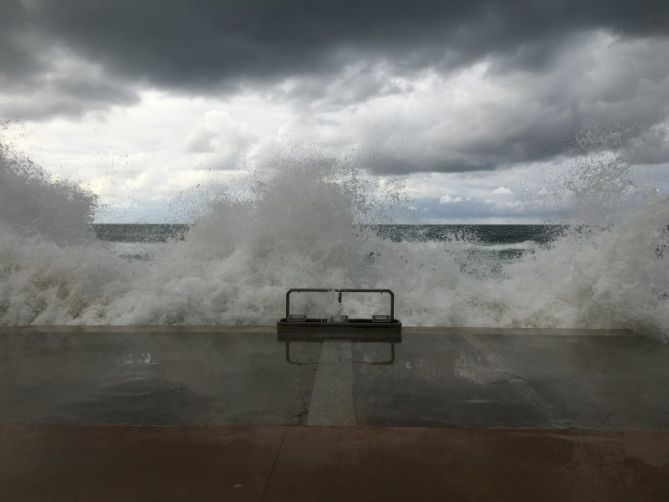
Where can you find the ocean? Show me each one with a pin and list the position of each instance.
(485, 234)
(487, 247)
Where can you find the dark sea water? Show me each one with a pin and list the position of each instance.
(481, 234)
(139, 232)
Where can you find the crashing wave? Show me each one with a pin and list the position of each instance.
(300, 228)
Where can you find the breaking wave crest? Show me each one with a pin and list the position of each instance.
(299, 228)
(31, 203)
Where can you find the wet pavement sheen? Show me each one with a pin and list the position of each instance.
(464, 378)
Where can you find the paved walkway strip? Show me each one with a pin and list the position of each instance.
(332, 396)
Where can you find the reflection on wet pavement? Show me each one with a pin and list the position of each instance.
(467, 378)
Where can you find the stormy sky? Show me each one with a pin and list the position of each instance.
(471, 104)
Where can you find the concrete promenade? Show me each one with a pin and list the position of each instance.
(218, 413)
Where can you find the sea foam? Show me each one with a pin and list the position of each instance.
(299, 227)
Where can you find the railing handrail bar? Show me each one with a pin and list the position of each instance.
(340, 291)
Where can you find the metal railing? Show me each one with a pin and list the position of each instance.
(339, 295)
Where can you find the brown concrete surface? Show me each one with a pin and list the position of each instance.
(202, 463)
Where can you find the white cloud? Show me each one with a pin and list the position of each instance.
(450, 199)
(223, 140)
(502, 190)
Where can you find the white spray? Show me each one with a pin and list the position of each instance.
(299, 229)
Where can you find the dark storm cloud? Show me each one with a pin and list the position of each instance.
(338, 53)
(194, 43)
(18, 59)
(39, 77)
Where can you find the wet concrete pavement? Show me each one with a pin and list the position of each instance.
(219, 414)
(148, 377)
(542, 379)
